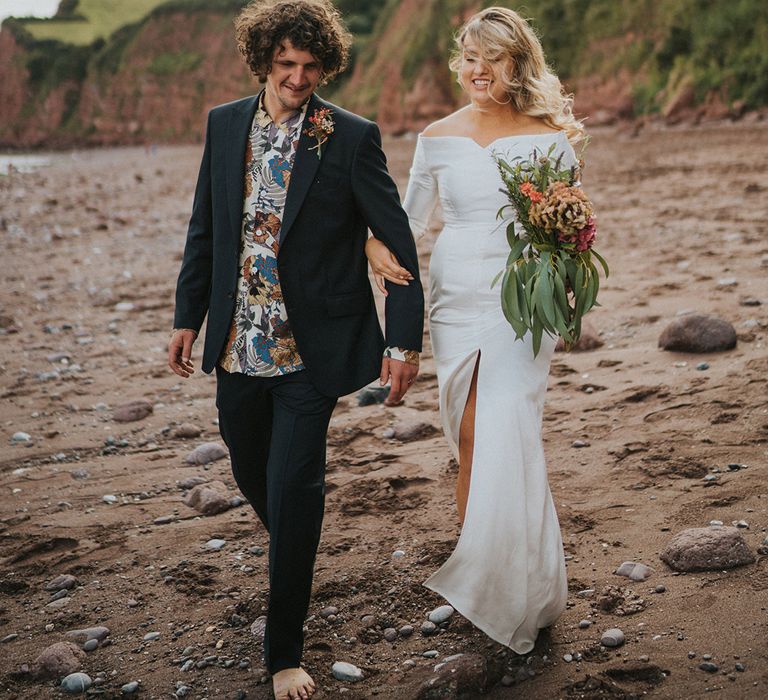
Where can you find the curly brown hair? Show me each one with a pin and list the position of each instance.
(310, 25)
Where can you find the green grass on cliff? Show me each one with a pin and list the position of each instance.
(101, 18)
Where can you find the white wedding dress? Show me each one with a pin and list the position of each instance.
(507, 572)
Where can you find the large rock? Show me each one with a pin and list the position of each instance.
(132, 411)
(463, 675)
(206, 453)
(698, 333)
(59, 659)
(707, 548)
(208, 499)
(99, 633)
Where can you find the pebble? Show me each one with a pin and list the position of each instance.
(206, 453)
(99, 633)
(188, 665)
(109, 498)
(91, 645)
(634, 571)
(9, 638)
(215, 544)
(210, 498)
(441, 614)
(725, 282)
(430, 654)
(660, 589)
(691, 654)
(583, 624)
(164, 520)
(259, 627)
(132, 411)
(580, 443)
(429, 628)
(586, 593)
(187, 430)
(349, 673)
(21, 437)
(567, 658)
(740, 667)
(709, 667)
(372, 395)
(408, 664)
(130, 688)
(151, 636)
(702, 366)
(398, 554)
(715, 523)
(742, 524)
(390, 634)
(405, 631)
(613, 637)
(61, 582)
(327, 612)
(58, 604)
(76, 683)
(182, 691)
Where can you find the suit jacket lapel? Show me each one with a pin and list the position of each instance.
(305, 166)
(238, 128)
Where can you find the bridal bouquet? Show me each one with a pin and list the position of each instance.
(550, 280)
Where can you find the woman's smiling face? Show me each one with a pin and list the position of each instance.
(480, 76)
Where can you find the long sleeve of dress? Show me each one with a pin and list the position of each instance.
(421, 195)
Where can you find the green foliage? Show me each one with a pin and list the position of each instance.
(165, 64)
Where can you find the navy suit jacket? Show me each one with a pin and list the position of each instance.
(331, 203)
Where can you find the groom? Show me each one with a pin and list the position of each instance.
(288, 186)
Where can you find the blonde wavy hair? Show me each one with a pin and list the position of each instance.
(503, 36)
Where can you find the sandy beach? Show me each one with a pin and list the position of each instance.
(92, 242)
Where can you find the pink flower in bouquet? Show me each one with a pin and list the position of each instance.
(586, 237)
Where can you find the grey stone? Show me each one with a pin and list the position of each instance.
(441, 614)
(259, 626)
(130, 688)
(192, 481)
(407, 432)
(109, 498)
(702, 366)
(76, 683)
(398, 554)
(330, 610)
(567, 658)
(164, 520)
(429, 628)
(206, 453)
(259, 552)
(151, 636)
(349, 673)
(99, 633)
(740, 667)
(586, 593)
(58, 604)
(372, 395)
(613, 637)
(61, 582)
(132, 411)
(188, 665)
(580, 443)
(405, 631)
(21, 436)
(91, 645)
(634, 571)
(390, 634)
(9, 638)
(430, 654)
(709, 667)
(707, 548)
(660, 589)
(698, 333)
(584, 624)
(58, 660)
(186, 431)
(209, 499)
(59, 594)
(215, 544)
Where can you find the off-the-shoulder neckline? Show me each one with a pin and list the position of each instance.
(496, 140)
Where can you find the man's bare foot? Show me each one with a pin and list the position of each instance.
(293, 684)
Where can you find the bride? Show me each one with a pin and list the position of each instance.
(507, 572)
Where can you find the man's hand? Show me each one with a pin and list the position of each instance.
(180, 351)
(401, 376)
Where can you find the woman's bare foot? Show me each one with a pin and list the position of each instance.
(292, 684)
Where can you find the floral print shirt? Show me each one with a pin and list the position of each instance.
(260, 341)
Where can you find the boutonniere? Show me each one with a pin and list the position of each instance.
(321, 129)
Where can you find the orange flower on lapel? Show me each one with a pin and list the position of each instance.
(321, 129)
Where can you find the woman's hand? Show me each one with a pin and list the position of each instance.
(385, 265)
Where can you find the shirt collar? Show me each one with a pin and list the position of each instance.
(263, 119)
